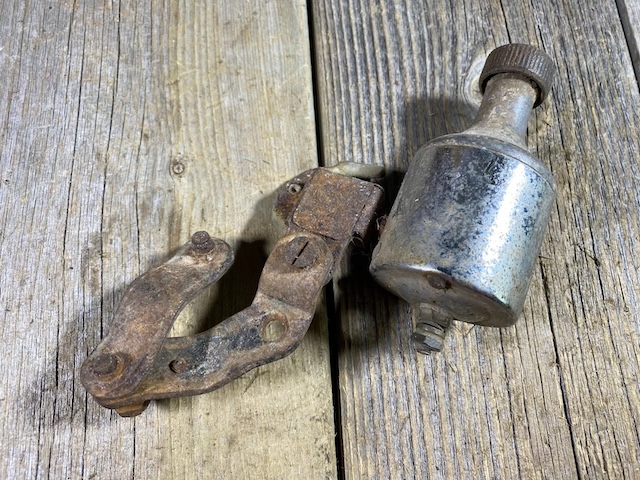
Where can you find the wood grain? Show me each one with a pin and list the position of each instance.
(557, 395)
(629, 11)
(125, 127)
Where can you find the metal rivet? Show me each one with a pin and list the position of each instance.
(274, 330)
(294, 188)
(106, 365)
(438, 281)
(179, 365)
(202, 241)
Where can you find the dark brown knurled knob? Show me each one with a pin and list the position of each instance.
(526, 60)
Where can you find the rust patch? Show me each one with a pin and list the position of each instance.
(136, 363)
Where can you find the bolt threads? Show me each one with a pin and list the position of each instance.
(431, 328)
(428, 338)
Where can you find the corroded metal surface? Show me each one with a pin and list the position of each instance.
(145, 316)
(136, 363)
(464, 234)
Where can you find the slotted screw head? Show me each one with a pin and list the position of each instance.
(301, 252)
(526, 60)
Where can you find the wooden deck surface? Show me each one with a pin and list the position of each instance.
(126, 126)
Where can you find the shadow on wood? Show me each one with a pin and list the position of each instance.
(359, 296)
(425, 119)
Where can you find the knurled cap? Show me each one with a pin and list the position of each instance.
(526, 60)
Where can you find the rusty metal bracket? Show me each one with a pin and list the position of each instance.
(136, 362)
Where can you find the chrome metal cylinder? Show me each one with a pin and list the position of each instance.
(465, 231)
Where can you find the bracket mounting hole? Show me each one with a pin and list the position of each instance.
(294, 188)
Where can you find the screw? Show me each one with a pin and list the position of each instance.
(202, 241)
(179, 365)
(301, 252)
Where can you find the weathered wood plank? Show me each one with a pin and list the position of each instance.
(557, 395)
(125, 127)
(630, 17)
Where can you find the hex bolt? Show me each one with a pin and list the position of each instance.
(465, 230)
(428, 338)
(202, 241)
(301, 252)
(431, 328)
